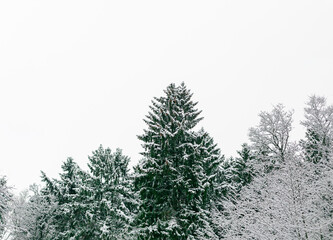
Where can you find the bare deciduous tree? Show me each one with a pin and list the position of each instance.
(5, 199)
(272, 133)
(291, 202)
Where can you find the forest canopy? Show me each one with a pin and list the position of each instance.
(184, 187)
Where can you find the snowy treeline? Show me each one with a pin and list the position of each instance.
(183, 188)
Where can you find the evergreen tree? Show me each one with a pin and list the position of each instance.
(174, 178)
(234, 174)
(312, 146)
(99, 205)
(212, 162)
(243, 166)
(68, 219)
(113, 202)
(317, 144)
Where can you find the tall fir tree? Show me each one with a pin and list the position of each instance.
(174, 177)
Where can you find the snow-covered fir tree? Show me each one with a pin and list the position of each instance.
(234, 174)
(319, 129)
(91, 205)
(112, 203)
(243, 166)
(68, 219)
(174, 179)
(237, 172)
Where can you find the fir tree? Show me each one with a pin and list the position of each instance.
(244, 171)
(69, 219)
(99, 205)
(317, 144)
(172, 179)
(113, 202)
(212, 162)
(237, 172)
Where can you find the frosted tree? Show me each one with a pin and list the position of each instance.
(269, 144)
(212, 160)
(5, 200)
(173, 179)
(268, 207)
(319, 129)
(290, 201)
(241, 169)
(27, 213)
(270, 138)
(320, 185)
(234, 174)
(317, 149)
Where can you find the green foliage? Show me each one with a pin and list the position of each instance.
(90, 206)
(315, 147)
(175, 178)
(112, 201)
(183, 188)
(69, 218)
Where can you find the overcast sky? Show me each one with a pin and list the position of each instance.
(77, 74)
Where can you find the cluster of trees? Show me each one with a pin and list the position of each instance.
(183, 188)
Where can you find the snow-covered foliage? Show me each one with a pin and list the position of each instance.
(26, 216)
(91, 205)
(175, 178)
(68, 219)
(271, 136)
(5, 200)
(112, 203)
(293, 200)
(184, 189)
(319, 129)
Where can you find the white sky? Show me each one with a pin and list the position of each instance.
(77, 74)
